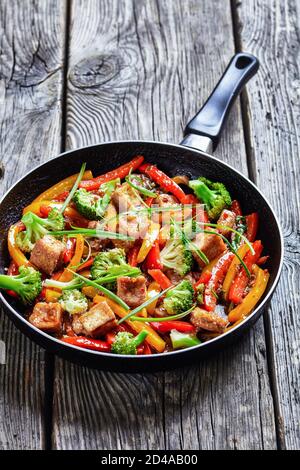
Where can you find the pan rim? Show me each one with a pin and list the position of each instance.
(155, 356)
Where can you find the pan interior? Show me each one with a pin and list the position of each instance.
(170, 158)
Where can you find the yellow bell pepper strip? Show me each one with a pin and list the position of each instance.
(153, 290)
(35, 207)
(16, 254)
(233, 269)
(151, 236)
(90, 291)
(60, 187)
(251, 299)
(67, 274)
(153, 338)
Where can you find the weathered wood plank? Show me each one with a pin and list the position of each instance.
(32, 45)
(271, 30)
(140, 70)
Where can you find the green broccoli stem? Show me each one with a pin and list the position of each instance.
(11, 283)
(183, 340)
(203, 192)
(140, 338)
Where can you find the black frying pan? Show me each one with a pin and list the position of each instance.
(190, 158)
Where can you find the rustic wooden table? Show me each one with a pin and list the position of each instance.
(79, 72)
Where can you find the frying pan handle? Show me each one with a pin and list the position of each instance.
(204, 130)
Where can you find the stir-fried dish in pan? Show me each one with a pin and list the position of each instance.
(135, 262)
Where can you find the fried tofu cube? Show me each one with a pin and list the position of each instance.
(227, 219)
(210, 244)
(132, 290)
(98, 320)
(203, 320)
(47, 254)
(47, 316)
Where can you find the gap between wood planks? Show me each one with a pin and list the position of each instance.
(49, 373)
(252, 176)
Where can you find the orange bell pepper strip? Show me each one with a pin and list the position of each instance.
(240, 281)
(16, 254)
(232, 271)
(75, 217)
(160, 278)
(148, 241)
(67, 275)
(62, 186)
(251, 299)
(153, 339)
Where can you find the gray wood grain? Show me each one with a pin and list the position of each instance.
(32, 45)
(270, 30)
(141, 70)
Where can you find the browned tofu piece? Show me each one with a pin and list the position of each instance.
(203, 320)
(166, 200)
(47, 316)
(226, 218)
(124, 198)
(211, 244)
(132, 290)
(47, 254)
(98, 320)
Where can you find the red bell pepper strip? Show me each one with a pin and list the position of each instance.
(120, 172)
(153, 258)
(85, 265)
(163, 181)
(45, 211)
(240, 282)
(191, 199)
(236, 207)
(87, 343)
(160, 278)
(69, 250)
(217, 277)
(62, 196)
(252, 226)
(147, 349)
(203, 279)
(149, 200)
(167, 326)
(13, 270)
(262, 260)
(133, 254)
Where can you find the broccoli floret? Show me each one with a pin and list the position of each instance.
(214, 195)
(92, 206)
(107, 259)
(37, 228)
(109, 265)
(180, 298)
(176, 256)
(126, 343)
(27, 284)
(74, 301)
